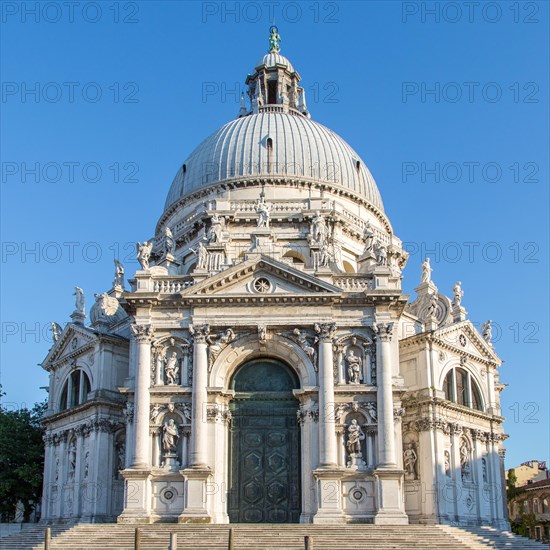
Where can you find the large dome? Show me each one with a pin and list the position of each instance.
(274, 145)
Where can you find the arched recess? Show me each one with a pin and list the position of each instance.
(162, 349)
(161, 416)
(248, 347)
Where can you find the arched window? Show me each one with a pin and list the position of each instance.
(545, 506)
(535, 506)
(460, 387)
(75, 390)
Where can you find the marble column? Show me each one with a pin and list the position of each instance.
(199, 432)
(143, 334)
(389, 477)
(386, 449)
(328, 456)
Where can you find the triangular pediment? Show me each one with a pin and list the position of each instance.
(466, 339)
(72, 342)
(259, 276)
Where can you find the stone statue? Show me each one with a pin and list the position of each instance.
(458, 293)
(432, 306)
(264, 211)
(143, 253)
(79, 300)
(324, 255)
(262, 334)
(304, 344)
(371, 409)
(56, 331)
(409, 462)
(465, 460)
(318, 228)
(171, 369)
(202, 255)
(121, 456)
(426, 271)
(169, 241)
(355, 368)
(274, 40)
(355, 436)
(216, 229)
(72, 459)
(381, 253)
(368, 235)
(447, 458)
(118, 281)
(86, 464)
(155, 411)
(487, 331)
(170, 436)
(217, 343)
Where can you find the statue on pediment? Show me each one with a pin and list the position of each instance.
(118, 281)
(79, 300)
(426, 271)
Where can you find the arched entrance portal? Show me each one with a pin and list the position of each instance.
(264, 454)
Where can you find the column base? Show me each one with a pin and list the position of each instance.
(196, 495)
(391, 511)
(329, 495)
(137, 496)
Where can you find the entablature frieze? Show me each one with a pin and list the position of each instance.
(288, 180)
(84, 429)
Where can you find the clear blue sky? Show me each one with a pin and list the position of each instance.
(124, 94)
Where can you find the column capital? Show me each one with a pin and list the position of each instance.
(384, 331)
(199, 333)
(142, 333)
(326, 331)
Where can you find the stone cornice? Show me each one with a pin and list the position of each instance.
(459, 410)
(426, 337)
(72, 411)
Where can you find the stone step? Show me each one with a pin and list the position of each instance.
(268, 537)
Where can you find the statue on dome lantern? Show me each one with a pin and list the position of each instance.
(274, 39)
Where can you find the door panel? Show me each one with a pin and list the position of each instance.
(265, 460)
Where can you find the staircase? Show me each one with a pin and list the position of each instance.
(269, 537)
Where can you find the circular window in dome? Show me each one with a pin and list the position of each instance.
(262, 285)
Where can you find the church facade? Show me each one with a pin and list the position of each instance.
(263, 364)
